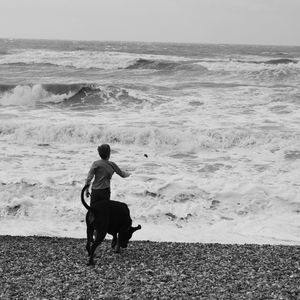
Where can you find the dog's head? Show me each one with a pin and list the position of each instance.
(126, 235)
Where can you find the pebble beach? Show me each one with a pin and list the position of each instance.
(55, 268)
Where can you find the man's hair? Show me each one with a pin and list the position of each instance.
(104, 151)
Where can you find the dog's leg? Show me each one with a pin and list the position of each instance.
(89, 232)
(100, 235)
(114, 241)
(117, 250)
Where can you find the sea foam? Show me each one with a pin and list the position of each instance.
(29, 95)
(210, 134)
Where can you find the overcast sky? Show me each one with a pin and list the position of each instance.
(201, 21)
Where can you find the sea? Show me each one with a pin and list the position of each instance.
(210, 133)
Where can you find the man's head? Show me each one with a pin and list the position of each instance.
(104, 151)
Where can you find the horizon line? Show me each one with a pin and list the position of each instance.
(150, 42)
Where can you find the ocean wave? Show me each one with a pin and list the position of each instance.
(68, 95)
(243, 209)
(37, 201)
(62, 89)
(267, 71)
(281, 61)
(80, 59)
(110, 60)
(246, 64)
(30, 64)
(278, 61)
(91, 95)
(6, 87)
(28, 95)
(274, 53)
(164, 138)
(164, 65)
(54, 88)
(274, 75)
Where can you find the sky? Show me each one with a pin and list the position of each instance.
(268, 22)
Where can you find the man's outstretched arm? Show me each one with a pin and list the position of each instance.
(119, 171)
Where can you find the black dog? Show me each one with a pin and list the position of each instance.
(111, 217)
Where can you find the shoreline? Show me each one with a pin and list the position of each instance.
(164, 232)
(34, 267)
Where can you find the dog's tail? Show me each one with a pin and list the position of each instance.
(82, 197)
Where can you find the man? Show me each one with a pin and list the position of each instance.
(102, 171)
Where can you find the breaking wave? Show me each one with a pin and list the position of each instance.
(94, 95)
(29, 95)
(38, 201)
(166, 138)
(67, 95)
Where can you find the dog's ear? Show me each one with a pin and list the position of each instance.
(136, 228)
